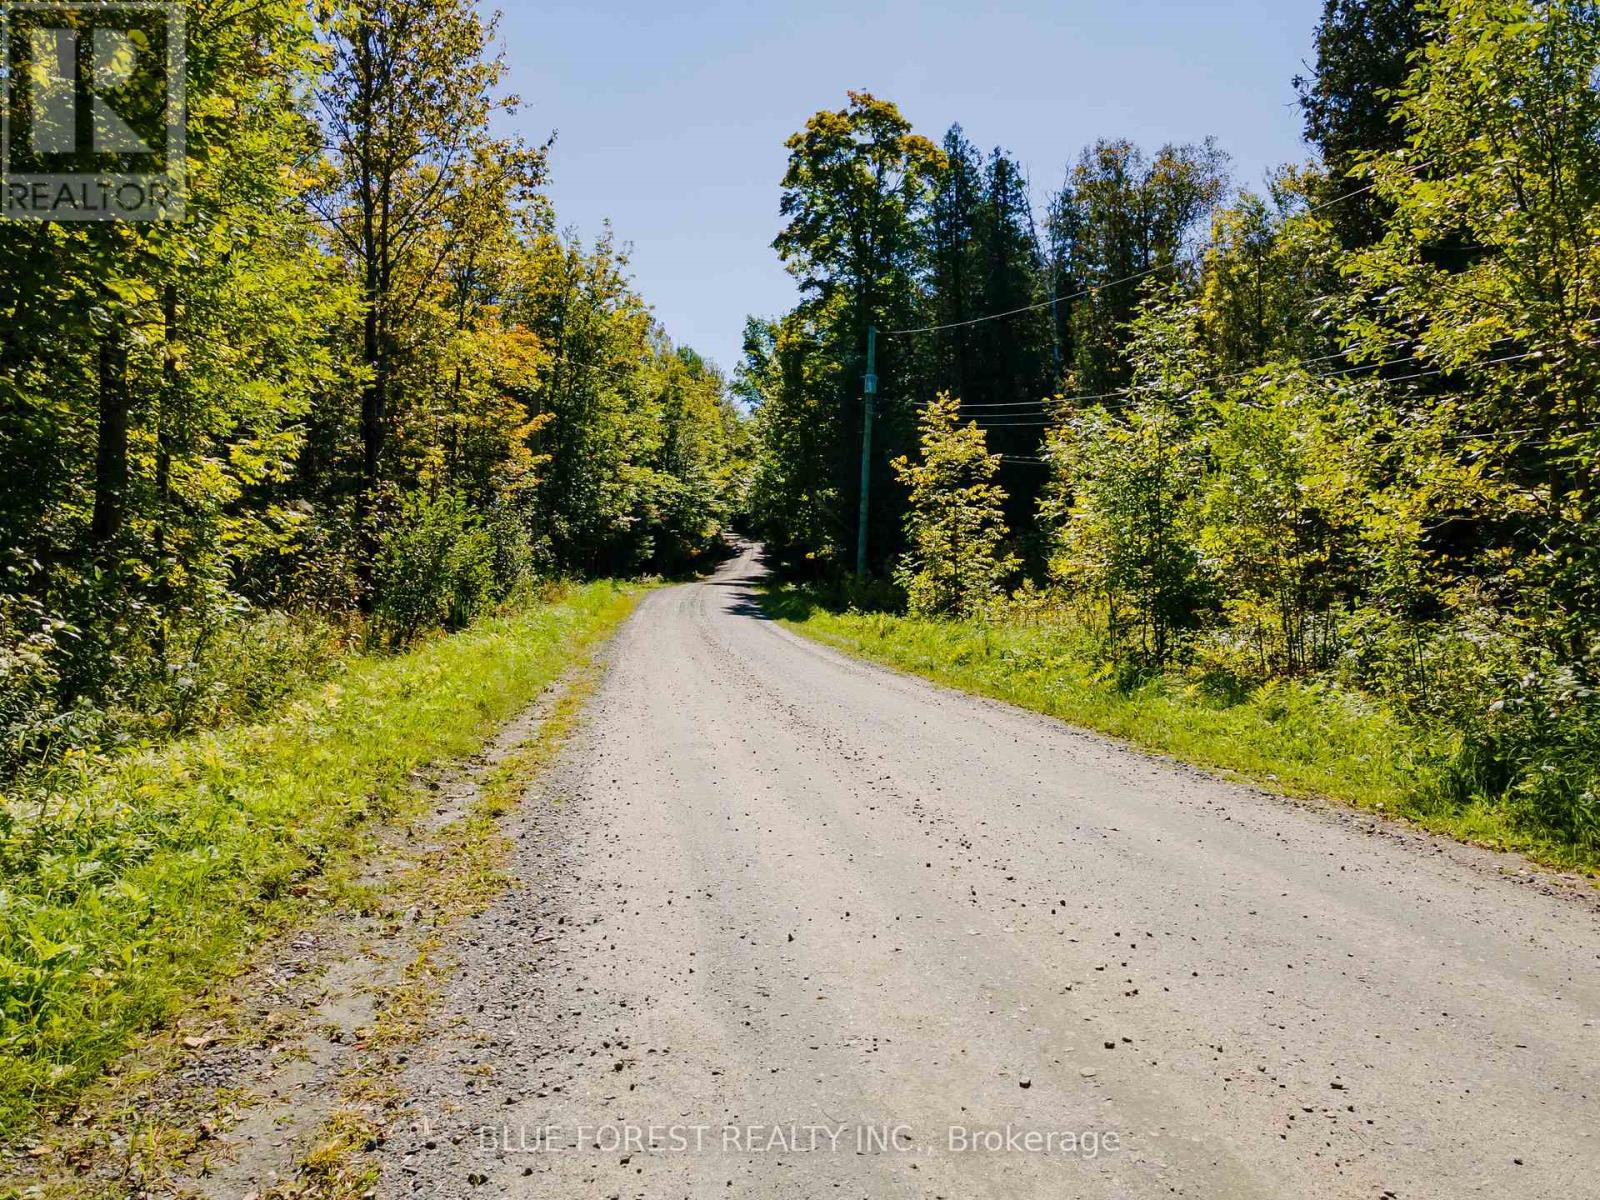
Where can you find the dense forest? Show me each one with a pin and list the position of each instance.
(1340, 428)
(1334, 428)
(366, 388)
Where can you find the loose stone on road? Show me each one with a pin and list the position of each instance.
(789, 925)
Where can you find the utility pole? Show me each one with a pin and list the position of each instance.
(869, 401)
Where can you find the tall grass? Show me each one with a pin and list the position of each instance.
(125, 889)
(1307, 738)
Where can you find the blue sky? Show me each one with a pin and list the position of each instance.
(671, 119)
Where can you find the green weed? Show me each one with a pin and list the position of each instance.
(127, 889)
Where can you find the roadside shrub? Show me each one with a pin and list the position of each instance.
(435, 568)
(29, 679)
(1535, 749)
(514, 559)
(94, 672)
(1279, 512)
(1126, 541)
(851, 593)
(955, 524)
(323, 575)
(1525, 728)
(234, 664)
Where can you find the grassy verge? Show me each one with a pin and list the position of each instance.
(459, 880)
(127, 892)
(1303, 739)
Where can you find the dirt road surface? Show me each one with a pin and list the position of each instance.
(788, 925)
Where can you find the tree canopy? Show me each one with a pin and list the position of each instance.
(364, 383)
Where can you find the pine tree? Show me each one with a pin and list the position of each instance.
(1364, 55)
(1121, 216)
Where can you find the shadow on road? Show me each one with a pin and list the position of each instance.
(747, 604)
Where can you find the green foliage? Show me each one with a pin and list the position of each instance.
(363, 379)
(31, 720)
(362, 392)
(235, 664)
(131, 884)
(1520, 723)
(1490, 269)
(639, 437)
(983, 257)
(1265, 276)
(1124, 498)
(1128, 535)
(797, 497)
(1353, 439)
(956, 564)
(857, 182)
(1541, 749)
(855, 195)
(1364, 56)
(1121, 215)
(1280, 506)
(1490, 264)
(155, 381)
(435, 569)
(886, 230)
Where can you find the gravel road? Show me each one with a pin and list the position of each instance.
(788, 925)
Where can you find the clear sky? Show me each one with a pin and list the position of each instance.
(672, 118)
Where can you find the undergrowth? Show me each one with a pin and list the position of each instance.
(129, 886)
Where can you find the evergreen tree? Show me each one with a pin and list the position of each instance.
(984, 259)
(1123, 217)
(954, 278)
(1364, 56)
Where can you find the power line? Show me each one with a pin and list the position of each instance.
(1043, 420)
(1187, 244)
(1277, 365)
(1489, 434)
(1489, 362)
(1078, 295)
(1480, 435)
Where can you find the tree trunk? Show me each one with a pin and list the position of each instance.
(166, 418)
(372, 437)
(111, 448)
(372, 195)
